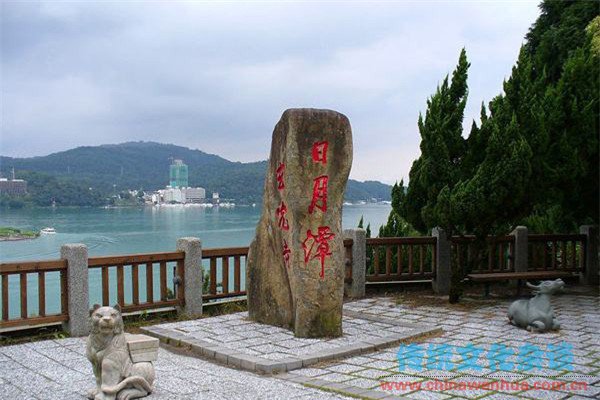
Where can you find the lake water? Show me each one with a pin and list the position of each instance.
(130, 230)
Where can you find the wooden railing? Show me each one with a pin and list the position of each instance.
(38, 270)
(167, 294)
(400, 259)
(222, 265)
(557, 252)
(497, 256)
(146, 281)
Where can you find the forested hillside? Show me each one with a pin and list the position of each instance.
(68, 176)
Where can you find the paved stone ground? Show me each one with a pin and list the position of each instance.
(481, 327)
(58, 369)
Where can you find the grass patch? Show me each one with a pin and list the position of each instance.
(335, 391)
(416, 299)
(7, 232)
(133, 323)
(32, 335)
(229, 307)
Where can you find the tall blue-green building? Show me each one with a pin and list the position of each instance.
(178, 174)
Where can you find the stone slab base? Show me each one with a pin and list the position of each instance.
(235, 341)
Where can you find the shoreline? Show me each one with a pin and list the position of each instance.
(10, 234)
(15, 238)
(346, 203)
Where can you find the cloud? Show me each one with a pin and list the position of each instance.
(217, 75)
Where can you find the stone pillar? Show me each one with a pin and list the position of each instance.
(520, 252)
(356, 288)
(77, 288)
(193, 275)
(441, 281)
(590, 275)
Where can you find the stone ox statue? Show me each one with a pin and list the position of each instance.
(536, 314)
(122, 363)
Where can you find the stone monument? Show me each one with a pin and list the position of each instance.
(295, 268)
(122, 363)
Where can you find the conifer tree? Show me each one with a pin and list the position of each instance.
(533, 159)
(442, 147)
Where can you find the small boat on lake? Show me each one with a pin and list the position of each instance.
(48, 231)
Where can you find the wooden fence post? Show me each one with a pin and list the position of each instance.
(78, 302)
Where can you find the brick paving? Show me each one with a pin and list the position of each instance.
(58, 368)
(485, 328)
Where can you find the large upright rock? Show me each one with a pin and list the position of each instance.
(295, 268)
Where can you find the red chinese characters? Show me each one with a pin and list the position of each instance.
(280, 213)
(279, 176)
(318, 247)
(282, 220)
(286, 253)
(319, 152)
(319, 196)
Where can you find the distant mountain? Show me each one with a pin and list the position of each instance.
(145, 165)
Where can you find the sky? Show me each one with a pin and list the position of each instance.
(216, 76)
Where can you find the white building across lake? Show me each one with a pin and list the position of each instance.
(180, 195)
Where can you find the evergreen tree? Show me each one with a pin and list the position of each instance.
(442, 147)
(534, 157)
(543, 126)
(553, 94)
(396, 226)
(398, 197)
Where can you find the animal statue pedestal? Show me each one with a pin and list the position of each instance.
(536, 314)
(122, 363)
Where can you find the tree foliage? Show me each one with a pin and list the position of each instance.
(45, 190)
(442, 146)
(533, 157)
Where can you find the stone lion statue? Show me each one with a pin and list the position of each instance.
(117, 376)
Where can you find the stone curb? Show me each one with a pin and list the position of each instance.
(338, 387)
(238, 359)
